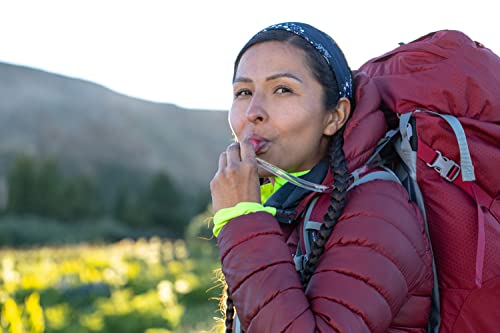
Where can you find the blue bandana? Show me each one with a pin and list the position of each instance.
(327, 47)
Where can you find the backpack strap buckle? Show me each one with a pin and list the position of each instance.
(447, 168)
(299, 260)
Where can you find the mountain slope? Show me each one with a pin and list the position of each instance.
(91, 128)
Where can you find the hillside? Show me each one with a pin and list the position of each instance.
(93, 130)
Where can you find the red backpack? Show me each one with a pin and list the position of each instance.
(441, 94)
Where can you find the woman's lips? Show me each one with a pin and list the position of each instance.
(259, 145)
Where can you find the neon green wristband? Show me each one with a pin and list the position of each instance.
(243, 208)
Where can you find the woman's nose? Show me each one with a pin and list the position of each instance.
(256, 111)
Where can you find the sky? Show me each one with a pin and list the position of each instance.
(182, 51)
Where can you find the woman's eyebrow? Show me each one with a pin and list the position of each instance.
(242, 79)
(280, 75)
(270, 78)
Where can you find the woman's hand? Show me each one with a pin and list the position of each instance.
(236, 179)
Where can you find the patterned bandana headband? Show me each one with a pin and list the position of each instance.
(327, 47)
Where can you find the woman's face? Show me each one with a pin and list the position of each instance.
(278, 107)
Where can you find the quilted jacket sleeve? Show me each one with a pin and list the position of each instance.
(377, 255)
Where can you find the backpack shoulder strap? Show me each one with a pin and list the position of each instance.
(383, 174)
(310, 227)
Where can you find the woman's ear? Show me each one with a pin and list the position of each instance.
(337, 116)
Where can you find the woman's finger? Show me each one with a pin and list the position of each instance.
(247, 151)
(222, 161)
(233, 154)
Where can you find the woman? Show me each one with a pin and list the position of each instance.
(369, 269)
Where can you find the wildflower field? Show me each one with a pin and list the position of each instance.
(146, 285)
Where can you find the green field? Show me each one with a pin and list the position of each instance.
(151, 286)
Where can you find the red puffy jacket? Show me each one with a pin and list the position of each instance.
(374, 276)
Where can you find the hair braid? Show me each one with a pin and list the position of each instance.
(337, 201)
(229, 312)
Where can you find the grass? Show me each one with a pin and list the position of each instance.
(146, 285)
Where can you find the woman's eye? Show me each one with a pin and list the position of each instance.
(282, 90)
(242, 92)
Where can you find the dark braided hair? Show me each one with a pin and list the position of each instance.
(337, 201)
(331, 96)
(229, 312)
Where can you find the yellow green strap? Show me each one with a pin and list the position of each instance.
(243, 208)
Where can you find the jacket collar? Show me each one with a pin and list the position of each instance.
(291, 200)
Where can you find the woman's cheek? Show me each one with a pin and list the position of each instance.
(236, 123)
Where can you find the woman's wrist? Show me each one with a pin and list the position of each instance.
(243, 208)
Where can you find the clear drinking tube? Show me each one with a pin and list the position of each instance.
(292, 179)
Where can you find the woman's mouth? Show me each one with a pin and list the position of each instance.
(259, 145)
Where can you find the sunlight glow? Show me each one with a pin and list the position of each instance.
(182, 52)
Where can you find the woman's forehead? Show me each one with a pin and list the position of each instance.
(272, 56)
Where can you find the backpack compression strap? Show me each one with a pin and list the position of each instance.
(450, 171)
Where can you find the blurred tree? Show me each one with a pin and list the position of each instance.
(47, 188)
(39, 188)
(21, 186)
(79, 200)
(129, 209)
(164, 203)
(122, 204)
